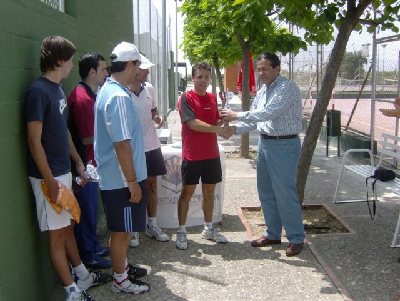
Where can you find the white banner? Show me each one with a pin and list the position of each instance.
(169, 188)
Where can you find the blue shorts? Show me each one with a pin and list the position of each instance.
(121, 214)
(155, 163)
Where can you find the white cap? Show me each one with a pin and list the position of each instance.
(145, 63)
(125, 52)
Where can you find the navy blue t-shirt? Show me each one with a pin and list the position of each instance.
(46, 102)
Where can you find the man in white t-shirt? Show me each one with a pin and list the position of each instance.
(144, 98)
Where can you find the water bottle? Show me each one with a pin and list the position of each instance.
(90, 174)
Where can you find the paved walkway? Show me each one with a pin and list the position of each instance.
(356, 266)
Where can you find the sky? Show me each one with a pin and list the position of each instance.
(171, 4)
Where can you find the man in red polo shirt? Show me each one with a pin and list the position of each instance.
(92, 69)
(200, 125)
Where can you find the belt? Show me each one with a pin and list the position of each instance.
(265, 136)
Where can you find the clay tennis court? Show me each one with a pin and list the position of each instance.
(361, 120)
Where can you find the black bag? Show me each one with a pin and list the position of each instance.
(384, 175)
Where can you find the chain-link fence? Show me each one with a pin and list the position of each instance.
(148, 32)
(386, 85)
(354, 86)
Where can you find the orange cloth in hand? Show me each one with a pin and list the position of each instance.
(65, 200)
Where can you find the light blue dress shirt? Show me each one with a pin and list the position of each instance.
(276, 110)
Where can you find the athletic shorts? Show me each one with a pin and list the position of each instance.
(123, 215)
(155, 163)
(209, 171)
(47, 217)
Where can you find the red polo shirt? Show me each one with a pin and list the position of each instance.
(81, 107)
(198, 145)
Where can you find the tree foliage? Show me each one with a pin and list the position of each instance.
(216, 30)
(351, 16)
(261, 25)
(352, 66)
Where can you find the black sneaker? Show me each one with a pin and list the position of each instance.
(135, 272)
(95, 278)
(100, 278)
(79, 296)
(97, 262)
(86, 297)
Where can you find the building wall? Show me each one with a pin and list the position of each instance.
(92, 25)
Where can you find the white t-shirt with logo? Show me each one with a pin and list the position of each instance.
(144, 103)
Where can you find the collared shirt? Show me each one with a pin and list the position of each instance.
(145, 101)
(196, 145)
(116, 119)
(276, 110)
(81, 119)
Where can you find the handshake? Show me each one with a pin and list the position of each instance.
(227, 131)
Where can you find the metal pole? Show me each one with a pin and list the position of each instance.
(317, 71)
(398, 94)
(383, 65)
(291, 56)
(138, 24)
(176, 51)
(373, 91)
(150, 39)
(321, 60)
(397, 119)
(164, 75)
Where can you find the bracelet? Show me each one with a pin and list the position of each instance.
(132, 181)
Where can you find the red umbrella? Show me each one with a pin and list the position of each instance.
(252, 85)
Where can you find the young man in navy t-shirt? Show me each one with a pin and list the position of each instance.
(50, 149)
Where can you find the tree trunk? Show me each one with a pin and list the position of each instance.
(310, 141)
(245, 46)
(218, 71)
(213, 82)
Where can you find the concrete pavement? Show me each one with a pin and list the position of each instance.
(355, 266)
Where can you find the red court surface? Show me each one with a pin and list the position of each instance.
(361, 120)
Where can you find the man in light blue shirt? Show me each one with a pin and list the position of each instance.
(121, 165)
(276, 113)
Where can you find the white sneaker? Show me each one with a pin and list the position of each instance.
(155, 231)
(214, 235)
(126, 286)
(134, 240)
(181, 240)
(78, 296)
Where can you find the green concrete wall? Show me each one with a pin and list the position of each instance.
(93, 25)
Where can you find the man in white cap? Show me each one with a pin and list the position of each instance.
(119, 153)
(145, 100)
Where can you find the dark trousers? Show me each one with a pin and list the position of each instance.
(86, 230)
